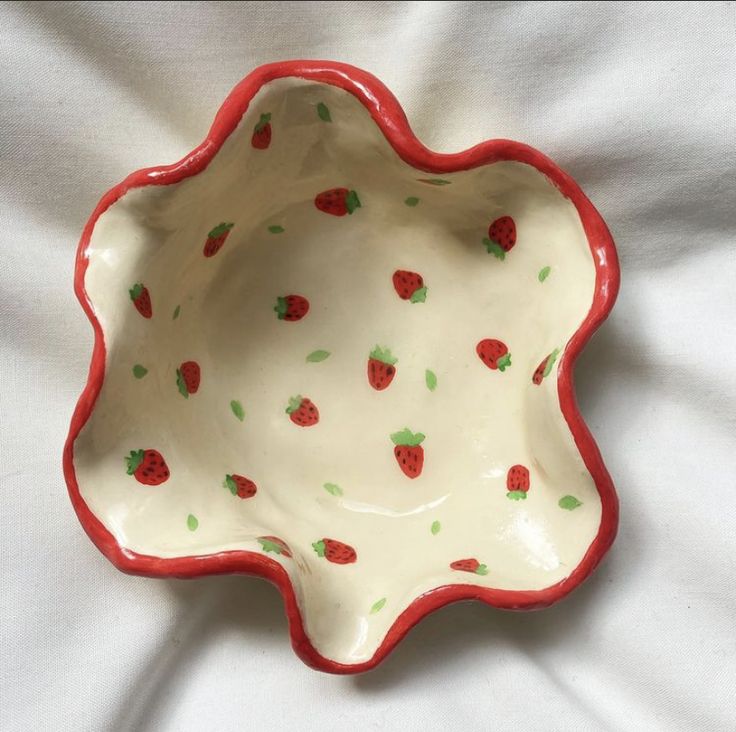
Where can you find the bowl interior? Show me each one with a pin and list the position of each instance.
(496, 494)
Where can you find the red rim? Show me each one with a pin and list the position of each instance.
(389, 116)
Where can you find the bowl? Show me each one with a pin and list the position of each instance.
(329, 357)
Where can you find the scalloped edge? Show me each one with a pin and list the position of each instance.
(390, 118)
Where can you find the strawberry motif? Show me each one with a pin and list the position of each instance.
(494, 354)
(262, 133)
(469, 565)
(501, 237)
(409, 286)
(147, 467)
(408, 452)
(216, 238)
(337, 201)
(240, 486)
(302, 411)
(381, 368)
(141, 299)
(291, 307)
(274, 544)
(517, 482)
(187, 378)
(335, 551)
(545, 368)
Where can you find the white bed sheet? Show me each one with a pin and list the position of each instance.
(636, 101)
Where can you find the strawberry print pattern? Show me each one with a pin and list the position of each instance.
(141, 299)
(147, 467)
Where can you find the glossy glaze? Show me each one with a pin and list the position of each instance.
(324, 293)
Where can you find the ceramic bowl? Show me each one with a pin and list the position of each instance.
(329, 357)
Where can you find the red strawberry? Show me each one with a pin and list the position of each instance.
(262, 133)
(469, 565)
(141, 299)
(240, 486)
(408, 452)
(409, 285)
(517, 482)
(335, 551)
(147, 467)
(187, 378)
(494, 354)
(501, 237)
(274, 544)
(302, 411)
(337, 201)
(216, 238)
(381, 368)
(545, 368)
(291, 307)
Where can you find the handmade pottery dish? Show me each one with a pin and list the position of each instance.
(329, 357)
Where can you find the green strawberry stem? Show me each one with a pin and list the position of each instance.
(550, 362)
(516, 495)
(270, 546)
(319, 547)
(181, 385)
(136, 291)
(419, 295)
(495, 249)
(383, 355)
(134, 460)
(265, 119)
(231, 485)
(219, 230)
(352, 201)
(281, 307)
(504, 362)
(294, 404)
(407, 438)
(482, 569)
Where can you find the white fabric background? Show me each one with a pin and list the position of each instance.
(637, 101)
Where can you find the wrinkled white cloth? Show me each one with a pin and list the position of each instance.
(637, 102)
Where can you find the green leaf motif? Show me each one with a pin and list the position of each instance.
(378, 605)
(276, 229)
(411, 201)
(333, 488)
(516, 495)
(324, 112)
(139, 371)
(237, 409)
(177, 310)
(436, 526)
(569, 503)
(317, 356)
(192, 522)
(431, 379)
(544, 273)
(434, 181)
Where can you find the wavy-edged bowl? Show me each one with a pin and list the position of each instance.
(329, 357)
